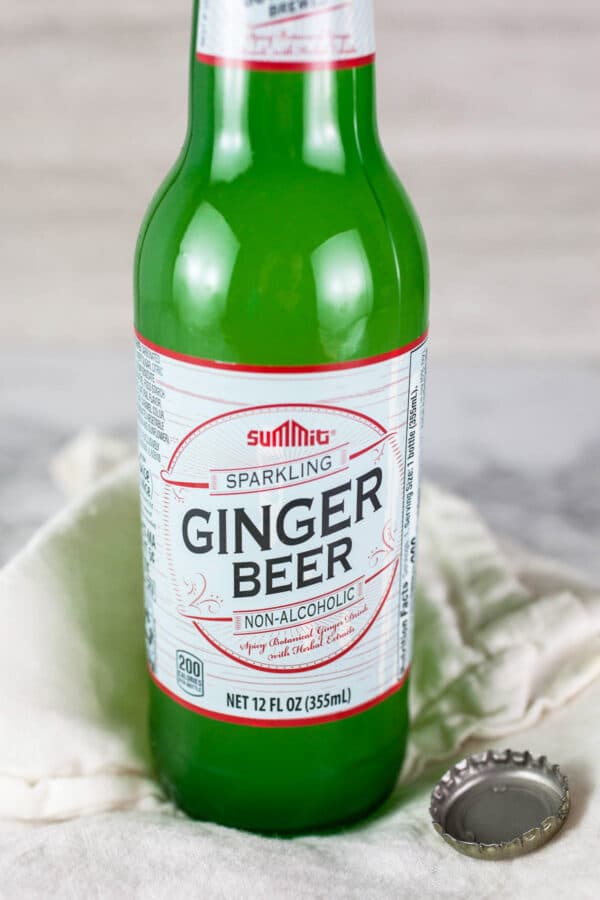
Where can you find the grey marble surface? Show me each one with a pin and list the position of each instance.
(489, 110)
(521, 441)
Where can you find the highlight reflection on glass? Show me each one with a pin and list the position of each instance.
(232, 154)
(323, 147)
(344, 291)
(204, 267)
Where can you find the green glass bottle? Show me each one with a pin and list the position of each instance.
(281, 318)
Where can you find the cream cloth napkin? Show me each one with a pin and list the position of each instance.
(501, 637)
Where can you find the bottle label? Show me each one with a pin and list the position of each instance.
(289, 35)
(279, 515)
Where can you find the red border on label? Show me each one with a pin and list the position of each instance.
(283, 370)
(280, 723)
(273, 66)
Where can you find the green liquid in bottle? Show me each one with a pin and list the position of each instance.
(281, 241)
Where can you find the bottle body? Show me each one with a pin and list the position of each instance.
(281, 288)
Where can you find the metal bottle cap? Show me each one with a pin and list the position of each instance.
(497, 805)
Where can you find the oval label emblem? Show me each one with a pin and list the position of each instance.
(284, 514)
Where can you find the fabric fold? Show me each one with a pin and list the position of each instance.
(501, 637)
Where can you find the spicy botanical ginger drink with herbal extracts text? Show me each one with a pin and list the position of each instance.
(281, 318)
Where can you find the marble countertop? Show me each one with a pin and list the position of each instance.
(521, 441)
(488, 110)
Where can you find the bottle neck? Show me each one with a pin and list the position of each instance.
(311, 103)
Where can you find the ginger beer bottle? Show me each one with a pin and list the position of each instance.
(281, 317)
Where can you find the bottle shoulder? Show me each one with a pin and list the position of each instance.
(281, 265)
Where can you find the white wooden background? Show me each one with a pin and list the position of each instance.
(490, 110)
